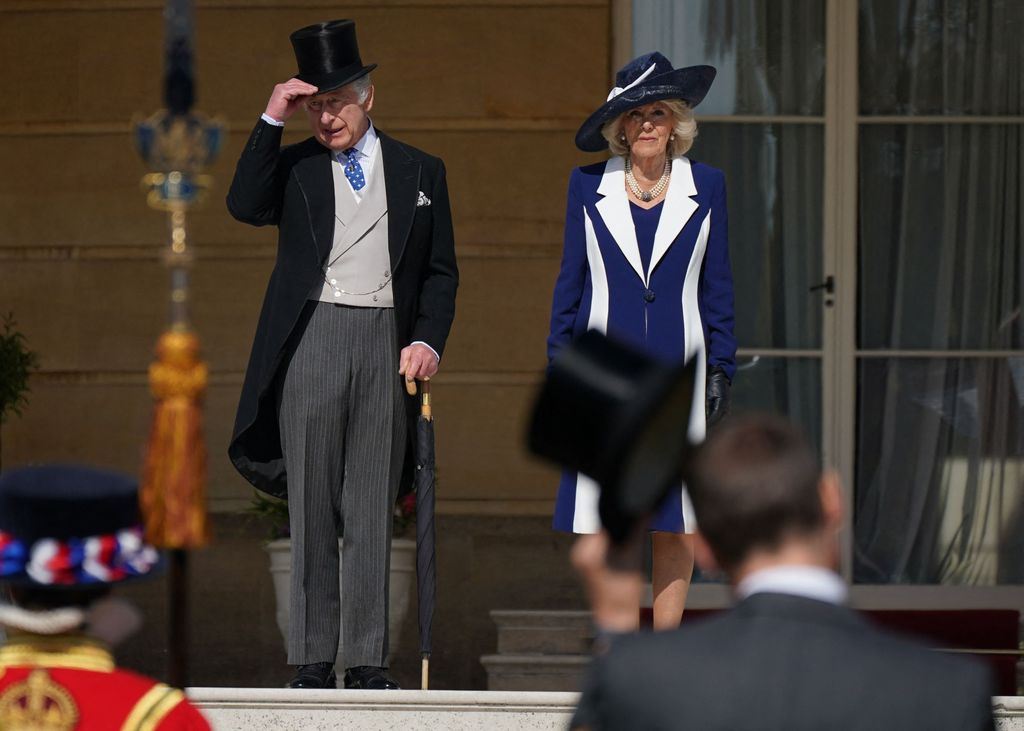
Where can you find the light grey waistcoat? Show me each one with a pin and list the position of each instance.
(358, 269)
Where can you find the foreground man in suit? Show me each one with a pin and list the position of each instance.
(363, 290)
(789, 655)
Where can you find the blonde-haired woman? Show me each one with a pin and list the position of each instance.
(646, 260)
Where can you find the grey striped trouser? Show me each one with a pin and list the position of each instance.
(343, 433)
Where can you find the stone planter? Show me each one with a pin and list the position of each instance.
(402, 581)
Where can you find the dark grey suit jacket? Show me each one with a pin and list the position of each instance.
(777, 661)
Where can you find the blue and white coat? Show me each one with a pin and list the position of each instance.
(681, 308)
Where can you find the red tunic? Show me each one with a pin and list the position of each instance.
(70, 683)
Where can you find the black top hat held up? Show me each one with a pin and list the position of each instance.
(328, 55)
(620, 417)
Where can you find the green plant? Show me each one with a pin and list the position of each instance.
(404, 517)
(16, 362)
(275, 513)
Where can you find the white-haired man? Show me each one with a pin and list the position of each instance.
(362, 294)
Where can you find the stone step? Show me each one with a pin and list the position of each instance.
(522, 632)
(562, 673)
(273, 709)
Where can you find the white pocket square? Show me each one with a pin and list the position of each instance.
(422, 200)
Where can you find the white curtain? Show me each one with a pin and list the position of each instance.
(940, 495)
(770, 60)
(769, 53)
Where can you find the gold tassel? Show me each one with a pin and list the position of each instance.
(173, 491)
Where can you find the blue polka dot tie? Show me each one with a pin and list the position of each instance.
(353, 170)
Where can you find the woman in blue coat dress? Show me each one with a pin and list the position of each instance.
(646, 260)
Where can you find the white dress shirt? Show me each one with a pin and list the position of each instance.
(365, 152)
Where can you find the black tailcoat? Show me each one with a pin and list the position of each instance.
(293, 189)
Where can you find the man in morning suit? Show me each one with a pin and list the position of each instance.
(789, 655)
(362, 294)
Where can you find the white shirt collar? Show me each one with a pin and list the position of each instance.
(812, 582)
(366, 148)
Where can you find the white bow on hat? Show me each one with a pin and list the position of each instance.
(619, 89)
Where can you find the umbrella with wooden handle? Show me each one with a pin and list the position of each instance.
(423, 484)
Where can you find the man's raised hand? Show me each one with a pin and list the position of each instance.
(287, 97)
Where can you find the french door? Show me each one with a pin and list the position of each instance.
(873, 155)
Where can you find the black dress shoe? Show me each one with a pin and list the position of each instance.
(367, 677)
(314, 675)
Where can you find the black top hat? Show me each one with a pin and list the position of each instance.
(328, 55)
(649, 78)
(69, 526)
(620, 417)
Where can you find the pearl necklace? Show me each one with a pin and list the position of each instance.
(647, 195)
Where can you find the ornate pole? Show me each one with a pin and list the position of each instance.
(177, 143)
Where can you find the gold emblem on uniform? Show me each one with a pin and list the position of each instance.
(37, 704)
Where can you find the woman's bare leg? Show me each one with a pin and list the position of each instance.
(614, 594)
(671, 571)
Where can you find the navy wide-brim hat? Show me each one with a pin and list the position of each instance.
(64, 527)
(328, 55)
(649, 78)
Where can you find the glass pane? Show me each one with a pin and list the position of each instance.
(770, 54)
(941, 237)
(774, 178)
(787, 386)
(941, 56)
(939, 496)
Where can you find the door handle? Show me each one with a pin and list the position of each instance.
(829, 285)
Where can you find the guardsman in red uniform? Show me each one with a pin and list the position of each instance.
(66, 535)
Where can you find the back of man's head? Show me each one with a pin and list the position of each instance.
(754, 485)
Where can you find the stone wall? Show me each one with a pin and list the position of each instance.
(495, 87)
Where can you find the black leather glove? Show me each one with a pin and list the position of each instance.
(716, 396)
